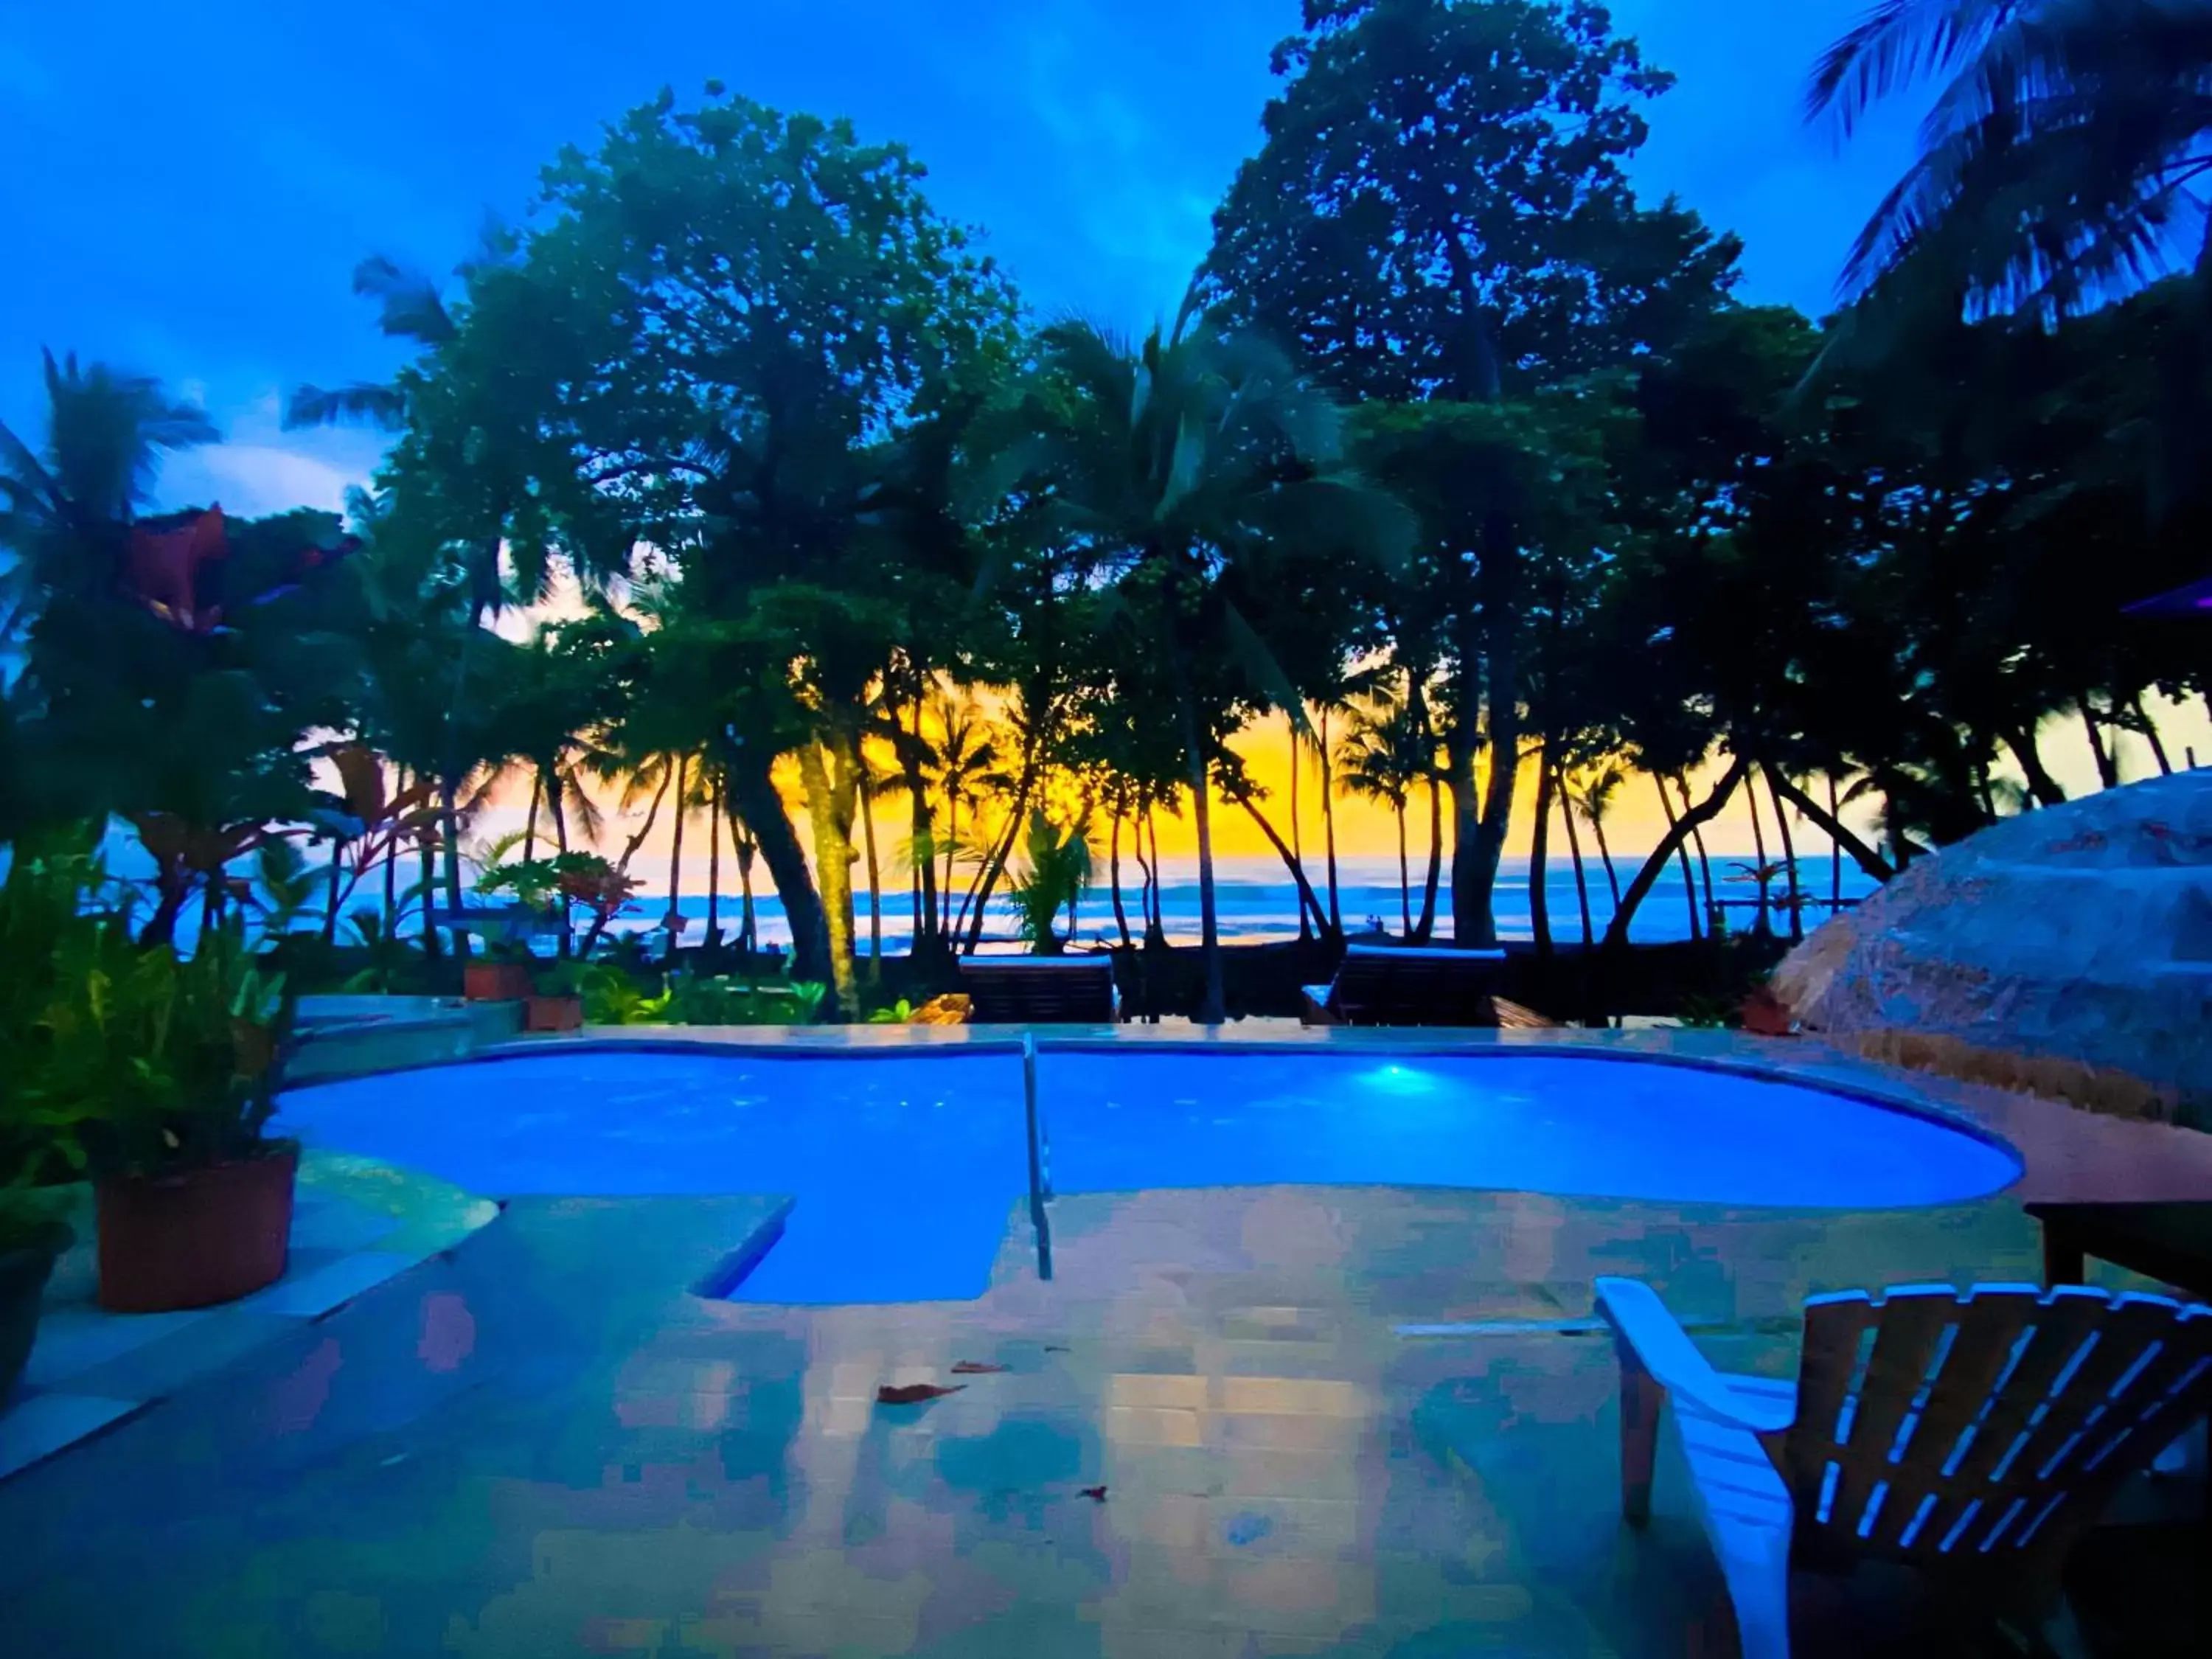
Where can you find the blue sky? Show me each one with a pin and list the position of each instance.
(190, 186)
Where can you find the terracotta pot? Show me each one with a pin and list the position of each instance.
(496, 981)
(553, 1014)
(197, 1238)
(23, 1275)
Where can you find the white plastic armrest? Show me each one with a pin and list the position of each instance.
(1648, 1333)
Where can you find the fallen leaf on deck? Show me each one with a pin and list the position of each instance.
(912, 1393)
(975, 1368)
(1096, 1494)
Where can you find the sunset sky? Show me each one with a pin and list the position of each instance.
(248, 152)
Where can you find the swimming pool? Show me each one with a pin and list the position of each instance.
(906, 1169)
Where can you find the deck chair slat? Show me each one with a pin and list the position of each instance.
(1909, 1337)
(1989, 1322)
(2056, 1329)
(1833, 1328)
(2124, 1334)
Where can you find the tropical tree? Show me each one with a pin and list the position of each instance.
(1381, 759)
(2064, 161)
(1057, 869)
(1196, 471)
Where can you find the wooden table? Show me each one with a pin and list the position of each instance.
(2170, 1243)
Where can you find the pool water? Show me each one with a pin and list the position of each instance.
(908, 1172)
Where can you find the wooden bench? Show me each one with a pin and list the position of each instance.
(1040, 990)
(1402, 985)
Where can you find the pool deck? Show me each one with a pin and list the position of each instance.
(1218, 1432)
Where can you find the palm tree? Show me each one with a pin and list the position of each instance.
(62, 507)
(1172, 465)
(2065, 154)
(1379, 758)
(1057, 869)
(409, 308)
(966, 763)
(1592, 796)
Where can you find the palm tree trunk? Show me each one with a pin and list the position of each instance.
(1693, 820)
(391, 865)
(716, 804)
(1582, 874)
(674, 918)
(2150, 735)
(529, 820)
(1328, 822)
(1405, 877)
(1697, 840)
(875, 879)
(1418, 698)
(2040, 784)
(760, 806)
(1831, 824)
(1689, 879)
(1114, 878)
(1540, 855)
(432, 946)
(1212, 1006)
(1761, 924)
(450, 820)
(1308, 902)
(556, 803)
(1835, 853)
(1298, 833)
(1788, 858)
(829, 812)
(951, 842)
(1156, 930)
(1604, 856)
(2108, 760)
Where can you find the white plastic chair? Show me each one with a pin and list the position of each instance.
(1975, 1436)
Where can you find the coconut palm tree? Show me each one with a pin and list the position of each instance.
(409, 308)
(1057, 869)
(968, 770)
(1176, 465)
(2065, 159)
(1591, 795)
(1379, 758)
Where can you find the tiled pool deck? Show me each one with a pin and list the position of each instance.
(540, 1442)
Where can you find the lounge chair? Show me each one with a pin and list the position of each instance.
(1040, 990)
(1973, 1436)
(1402, 985)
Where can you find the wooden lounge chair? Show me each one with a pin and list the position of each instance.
(1975, 1437)
(1040, 990)
(1401, 985)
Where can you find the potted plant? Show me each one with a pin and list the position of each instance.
(160, 1073)
(556, 1002)
(502, 974)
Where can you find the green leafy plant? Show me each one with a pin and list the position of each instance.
(731, 1001)
(897, 1014)
(147, 1061)
(1057, 872)
(559, 978)
(394, 967)
(612, 997)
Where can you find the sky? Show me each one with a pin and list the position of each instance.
(189, 187)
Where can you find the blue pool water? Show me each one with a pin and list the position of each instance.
(909, 1172)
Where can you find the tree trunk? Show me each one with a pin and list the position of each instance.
(1329, 824)
(2108, 760)
(1697, 840)
(927, 931)
(753, 791)
(433, 946)
(1605, 855)
(1156, 925)
(449, 819)
(1829, 824)
(2040, 784)
(1298, 833)
(1540, 855)
(994, 865)
(952, 845)
(1762, 924)
(1692, 822)
(1421, 702)
(1474, 866)
(1835, 853)
(1682, 853)
(717, 804)
(1460, 745)
(529, 820)
(558, 808)
(1114, 878)
(675, 862)
(875, 880)
(1788, 858)
(331, 903)
(1574, 853)
(828, 784)
(1405, 878)
(2150, 736)
(1309, 901)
